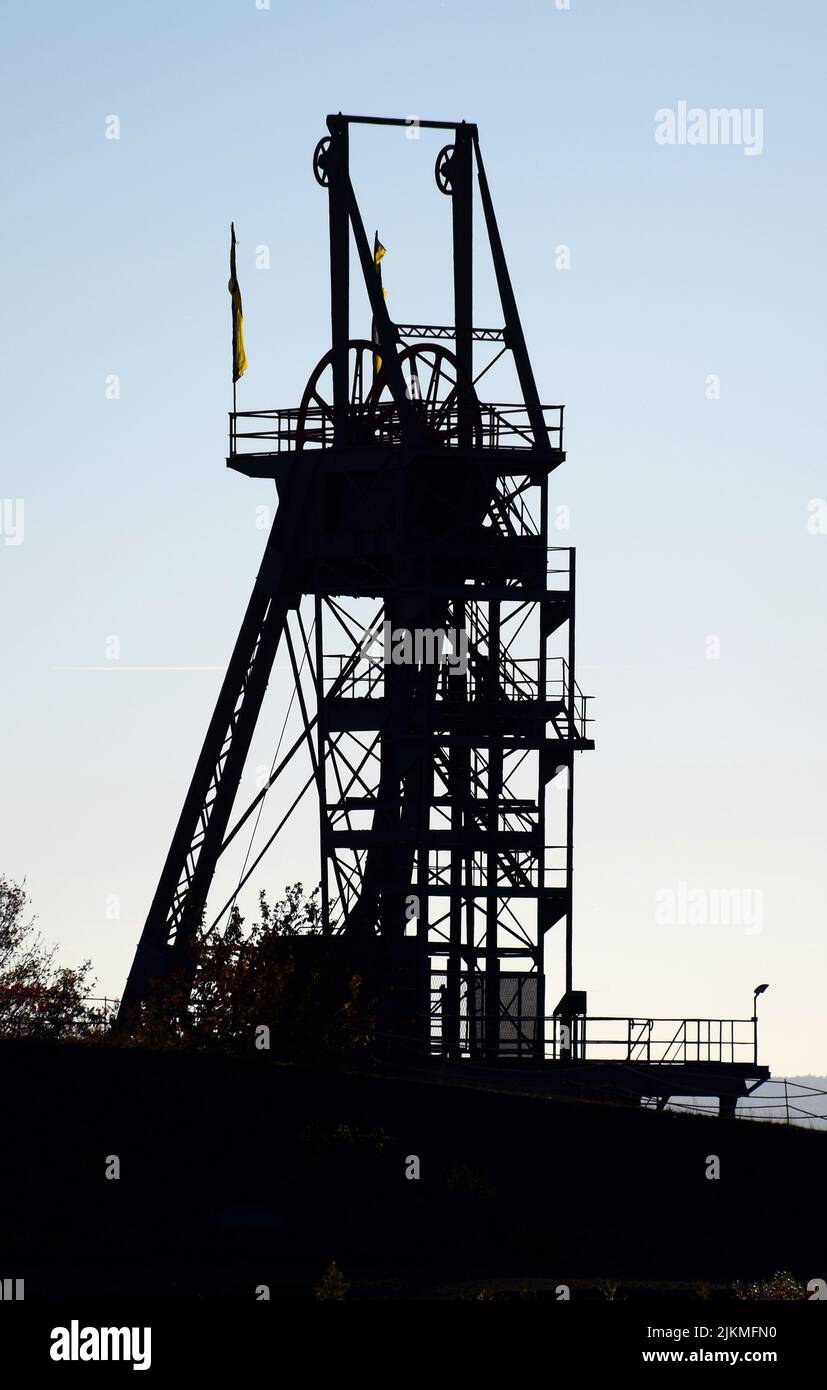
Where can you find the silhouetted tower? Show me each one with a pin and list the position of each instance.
(436, 680)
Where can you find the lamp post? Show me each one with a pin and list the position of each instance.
(759, 989)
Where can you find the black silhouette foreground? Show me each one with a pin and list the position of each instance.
(240, 1171)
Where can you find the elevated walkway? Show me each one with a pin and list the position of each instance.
(608, 1058)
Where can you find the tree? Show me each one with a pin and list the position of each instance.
(278, 982)
(38, 999)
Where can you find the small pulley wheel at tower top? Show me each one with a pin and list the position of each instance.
(316, 416)
(442, 398)
(320, 154)
(443, 170)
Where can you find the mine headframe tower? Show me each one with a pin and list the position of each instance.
(441, 656)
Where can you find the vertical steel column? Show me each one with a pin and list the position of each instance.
(570, 698)
(459, 758)
(542, 790)
(495, 782)
(463, 233)
(321, 760)
(339, 216)
(459, 765)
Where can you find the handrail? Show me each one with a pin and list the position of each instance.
(655, 1041)
(501, 426)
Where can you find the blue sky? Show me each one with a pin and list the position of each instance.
(689, 514)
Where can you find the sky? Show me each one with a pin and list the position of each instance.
(686, 338)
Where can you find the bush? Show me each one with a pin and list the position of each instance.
(280, 974)
(333, 1285)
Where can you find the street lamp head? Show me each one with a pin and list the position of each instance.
(759, 989)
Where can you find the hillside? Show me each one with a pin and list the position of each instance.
(236, 1173)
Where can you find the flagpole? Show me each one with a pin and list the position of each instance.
(239, 357)
(373, 317)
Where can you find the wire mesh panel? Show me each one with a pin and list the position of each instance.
(518, 1026)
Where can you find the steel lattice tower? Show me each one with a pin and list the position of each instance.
(442, 757)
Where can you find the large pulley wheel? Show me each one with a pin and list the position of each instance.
(320, 157)
(443, 170)
(442, 399)
(316, 414)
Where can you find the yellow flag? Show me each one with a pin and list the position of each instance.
(239, 355)
(378, 254)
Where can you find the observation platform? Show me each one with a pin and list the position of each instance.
(612, 1058)
(492, 433)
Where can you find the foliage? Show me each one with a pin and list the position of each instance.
(610, 1290)
(782, 1287)
(331, 1146)
(38, 999)
(333, 1285)
(277, 984)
